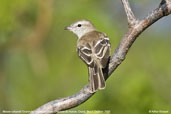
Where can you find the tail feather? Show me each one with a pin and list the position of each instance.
(96, 79)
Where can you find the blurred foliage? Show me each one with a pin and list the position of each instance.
(39, 63)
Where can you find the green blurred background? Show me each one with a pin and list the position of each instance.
(39, 63)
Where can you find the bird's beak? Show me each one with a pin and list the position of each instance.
(67, 28)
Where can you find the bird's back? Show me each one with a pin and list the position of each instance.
(90, 38)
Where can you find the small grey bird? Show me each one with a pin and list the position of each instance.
(93, 48)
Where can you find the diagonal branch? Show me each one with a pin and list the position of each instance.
(116, 59)
(129, 38)
(130, 15)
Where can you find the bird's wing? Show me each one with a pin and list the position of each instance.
(98, 53)
(102, 51)
(85, 53)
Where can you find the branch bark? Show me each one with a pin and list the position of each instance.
(135, 29)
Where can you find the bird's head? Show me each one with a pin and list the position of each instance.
(81, 27)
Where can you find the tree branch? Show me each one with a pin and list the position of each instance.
(135, 29)
(130, 15)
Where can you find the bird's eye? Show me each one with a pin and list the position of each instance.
(79, 25)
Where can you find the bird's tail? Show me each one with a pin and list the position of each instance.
(96, 79)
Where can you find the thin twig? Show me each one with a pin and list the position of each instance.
(115, 60)
(130, 15)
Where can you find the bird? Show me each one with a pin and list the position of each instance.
(93, 47)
